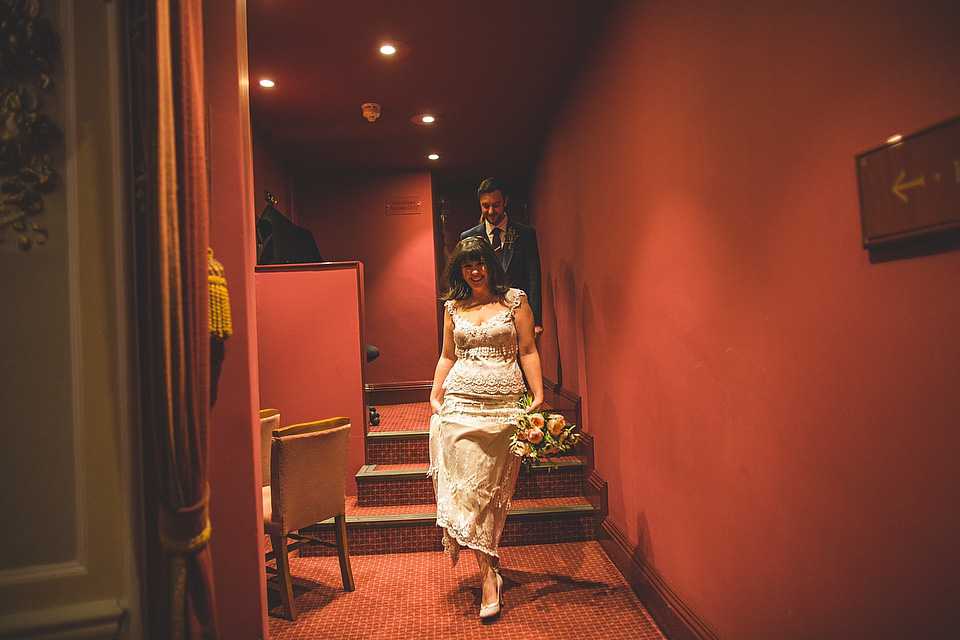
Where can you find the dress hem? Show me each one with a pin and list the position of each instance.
(464, 544)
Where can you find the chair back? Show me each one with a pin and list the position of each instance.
(269, 420)
(308, 471)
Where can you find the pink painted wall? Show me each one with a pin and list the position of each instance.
(776, 416)
(347, 215)
(311, 347)
(234, 449)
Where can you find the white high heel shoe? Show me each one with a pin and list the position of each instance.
(490, 610)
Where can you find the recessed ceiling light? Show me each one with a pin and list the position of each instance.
(392, 49)
(426, 118)
(893, 139)
(433, 156)
(267, 83)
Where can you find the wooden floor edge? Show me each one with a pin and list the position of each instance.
(675, 618)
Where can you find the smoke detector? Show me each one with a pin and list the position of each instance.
(371, 110)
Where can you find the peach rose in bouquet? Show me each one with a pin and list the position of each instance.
(540, 435)
(556, 424)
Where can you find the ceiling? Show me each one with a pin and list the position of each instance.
(496, 72)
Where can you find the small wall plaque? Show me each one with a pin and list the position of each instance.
(403, 206)
(911, 187)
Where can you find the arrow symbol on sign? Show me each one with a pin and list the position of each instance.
(900, 185)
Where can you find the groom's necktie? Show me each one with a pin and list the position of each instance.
(496, 238)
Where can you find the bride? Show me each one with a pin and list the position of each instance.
(488, 335)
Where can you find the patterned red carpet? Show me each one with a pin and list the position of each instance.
(412, 416)
(555, 591)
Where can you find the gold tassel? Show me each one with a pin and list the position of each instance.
(220, 323)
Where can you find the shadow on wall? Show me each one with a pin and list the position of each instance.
(590, 337)
(565, 314)
(549, 335)
(644, 539)
(916, 248)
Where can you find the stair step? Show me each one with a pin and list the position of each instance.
(395, 511)
(393, 447)
(399, 484)
(411, 416)
(409, 528)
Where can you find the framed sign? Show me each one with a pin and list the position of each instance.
(910, 187)
(403, 205)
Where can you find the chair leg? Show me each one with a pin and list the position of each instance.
(340, 527)
(283, 571)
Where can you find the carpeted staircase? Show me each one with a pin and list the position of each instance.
(394, 509)
(567, 590)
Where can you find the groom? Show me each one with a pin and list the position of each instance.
(515, 243)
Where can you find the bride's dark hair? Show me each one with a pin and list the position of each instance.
(475, 249)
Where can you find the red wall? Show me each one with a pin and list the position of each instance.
(234, 448)
(269, 174)
(776, 416)
(347, 215)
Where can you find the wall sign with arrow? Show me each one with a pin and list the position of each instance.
(910, 187)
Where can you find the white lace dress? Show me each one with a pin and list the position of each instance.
(473, 470)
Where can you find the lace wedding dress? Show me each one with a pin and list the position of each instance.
(473, 470)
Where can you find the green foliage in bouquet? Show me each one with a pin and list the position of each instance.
(540, 435)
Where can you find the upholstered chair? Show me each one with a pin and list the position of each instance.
(308, 467)
(269, 420)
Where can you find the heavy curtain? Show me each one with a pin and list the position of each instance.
(173, 212)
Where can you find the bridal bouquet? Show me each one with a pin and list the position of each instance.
(540, 435)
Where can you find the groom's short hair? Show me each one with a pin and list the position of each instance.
(489, 186)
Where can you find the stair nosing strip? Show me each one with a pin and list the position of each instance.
(370, 472)
(542, 467)
(408, 434)
(366, 473)
(431, 517)
(564, 509)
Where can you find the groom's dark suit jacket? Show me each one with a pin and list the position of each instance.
(521, 260)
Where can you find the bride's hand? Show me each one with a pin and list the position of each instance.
(434, 405)
(534, 404)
